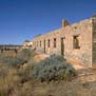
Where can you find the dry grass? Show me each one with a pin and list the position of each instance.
(17, 82)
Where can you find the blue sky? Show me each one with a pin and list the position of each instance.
(23, 19)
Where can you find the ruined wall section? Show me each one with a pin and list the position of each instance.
(82, 55)
(94, 41)
(43, 47)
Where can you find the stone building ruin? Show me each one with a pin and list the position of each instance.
(76, 42)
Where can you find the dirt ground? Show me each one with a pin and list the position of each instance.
(76, 87)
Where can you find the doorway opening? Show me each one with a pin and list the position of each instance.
(62, 46)
(44, 46)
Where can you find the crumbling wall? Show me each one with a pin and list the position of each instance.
(81, 31)
(94, 41)
(82, 54)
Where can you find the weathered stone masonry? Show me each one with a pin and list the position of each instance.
(76, 42)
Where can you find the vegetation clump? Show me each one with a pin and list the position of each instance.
(22, 57)
(11, 77)
(21, 81)
(53, 68)
(24, 54)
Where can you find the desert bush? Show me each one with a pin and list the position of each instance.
(11, 61)
(21, 58)
(25, 54)
(25, 72)
(53, 68)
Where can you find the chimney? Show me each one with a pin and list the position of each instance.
(94, 16)
(65, 23)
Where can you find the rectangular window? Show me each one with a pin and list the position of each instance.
(40, 43)
(37, 43)
(44, 46)
(76, 42)
(48, 43)
(54, 42)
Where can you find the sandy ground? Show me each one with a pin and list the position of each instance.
(42, 56)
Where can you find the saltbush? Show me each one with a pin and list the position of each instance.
(53, 68)
(11, 61)
(24, 54)
(22, 57)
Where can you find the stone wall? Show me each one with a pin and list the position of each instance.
(83, 54)
(81, 32)
(94, 41)
(27, 45)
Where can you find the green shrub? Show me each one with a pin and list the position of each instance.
(11, 61)
(25, 54)
(21, 58)
(53, 68)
